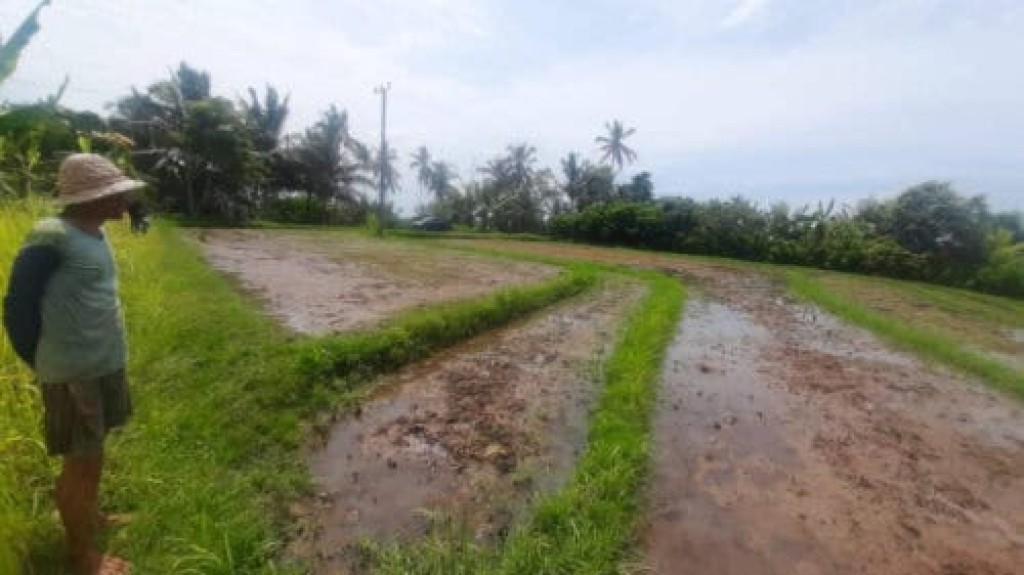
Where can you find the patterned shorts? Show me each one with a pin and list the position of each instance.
(80, 413)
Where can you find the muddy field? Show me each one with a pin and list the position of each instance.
(469, 435)
(316, 282)
(787, 442)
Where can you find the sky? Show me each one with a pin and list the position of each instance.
(775, 100)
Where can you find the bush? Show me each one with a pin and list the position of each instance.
(1003, 273)
(300, 210)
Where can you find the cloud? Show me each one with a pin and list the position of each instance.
(744, 12)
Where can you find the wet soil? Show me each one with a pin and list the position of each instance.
(788, 442)
(469, 435)
(317, 283)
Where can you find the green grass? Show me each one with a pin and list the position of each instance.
(590, 525)
(930, 344)
(23, 464)
(223, 401)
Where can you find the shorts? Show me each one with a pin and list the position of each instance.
(78, 414)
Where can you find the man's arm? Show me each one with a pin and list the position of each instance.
(30, 274)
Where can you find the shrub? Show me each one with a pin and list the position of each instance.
(1003, 273)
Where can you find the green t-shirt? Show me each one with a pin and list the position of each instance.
(82, 331)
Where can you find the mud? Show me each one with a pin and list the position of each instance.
(321, 283)
(788, 442)
(469, 435)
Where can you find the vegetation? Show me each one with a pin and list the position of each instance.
(929, 232)
(932, 344)
(588, 526)
(10, 50)
(206, 486)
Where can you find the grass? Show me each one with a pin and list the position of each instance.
(23, 464)
(589, 526)
(223, 401)
(938, 344)
(985, 321)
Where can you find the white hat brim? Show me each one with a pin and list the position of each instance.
(121, 187)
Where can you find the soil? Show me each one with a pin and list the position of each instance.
(788, 442)
(785, 441)
(317, 283)
(468, 436)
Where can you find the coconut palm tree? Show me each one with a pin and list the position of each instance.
(387, 163)
(441, 178)
(331, 159)
(614, 145)
(265, 119)
(574, 171)
(422, 163)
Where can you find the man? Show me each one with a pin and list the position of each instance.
(63, 316)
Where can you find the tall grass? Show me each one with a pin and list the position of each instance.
(25, 471)
(929, 344)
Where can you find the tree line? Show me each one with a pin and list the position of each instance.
(928, 232)
(209, 157)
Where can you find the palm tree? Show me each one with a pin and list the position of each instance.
(521, 158)
(421, 162)
(574, 170)
(441, 178)
(614, 146)
(331, 159)
(387, 163)
(265, 119)
(164, 119)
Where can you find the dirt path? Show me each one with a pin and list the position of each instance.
(789, 443)
(319, 283)
(470, 434)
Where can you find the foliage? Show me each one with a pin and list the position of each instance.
(423, 164)
(614, 146)
(934, 220)
(928, 233)
(298, 210)
(1003, 273)
(329, 156)
(24, 467)
(11, 49)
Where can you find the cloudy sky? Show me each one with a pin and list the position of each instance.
(795, 100)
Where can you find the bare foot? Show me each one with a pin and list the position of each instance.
(96, 563)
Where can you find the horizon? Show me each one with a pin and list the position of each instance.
(773, 100)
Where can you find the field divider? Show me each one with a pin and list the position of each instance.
(592, 524)
(417, 333)
(926, 344)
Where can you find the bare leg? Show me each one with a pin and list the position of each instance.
(77, 501)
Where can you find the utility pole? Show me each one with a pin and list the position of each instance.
(382, 154)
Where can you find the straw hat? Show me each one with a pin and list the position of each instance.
(89, 177)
